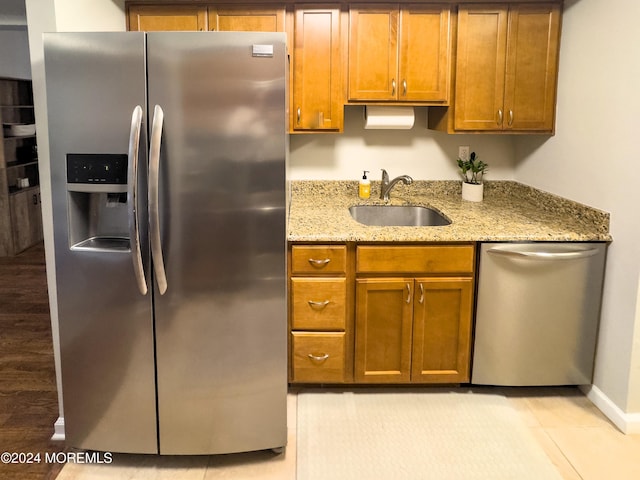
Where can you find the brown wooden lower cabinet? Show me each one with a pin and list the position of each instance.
(381, 314)
(384, 319)
(26, 218)
(318, 304)
(413, 330)
(441, 343)
(317, 357)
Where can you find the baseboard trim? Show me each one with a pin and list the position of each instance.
(58, 430)
(628, 423)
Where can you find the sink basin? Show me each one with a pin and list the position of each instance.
(398, 216)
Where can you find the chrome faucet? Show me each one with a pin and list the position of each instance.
(387, 185)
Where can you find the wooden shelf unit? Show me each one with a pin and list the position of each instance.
(20, 215)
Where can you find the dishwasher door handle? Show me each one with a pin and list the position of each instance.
(541, 255)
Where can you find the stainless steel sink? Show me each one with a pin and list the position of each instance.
(398, 216)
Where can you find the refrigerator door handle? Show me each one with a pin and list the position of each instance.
(154, 210)
(132, 196)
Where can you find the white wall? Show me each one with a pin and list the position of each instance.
(423, 154)
(89, 15)
(14, 52)
(14, 41)
(593, 159)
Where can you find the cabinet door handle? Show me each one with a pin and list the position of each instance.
(298, 113)
(35, 199)
(318, 305)
(319, 263)
(404, 87)
(316, 358)
(393, 87)
(408, 300)
(510, 118)
(500, 117)
(421, 293)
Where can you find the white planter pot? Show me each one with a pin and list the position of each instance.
(472, 192)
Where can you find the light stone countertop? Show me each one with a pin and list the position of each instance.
(510, 211)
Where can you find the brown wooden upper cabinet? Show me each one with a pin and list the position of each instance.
(506, 68)
(153, 18)
(239, 18)
(399, 53)
(317, 70)
(263, 18)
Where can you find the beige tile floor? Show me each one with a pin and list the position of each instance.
(579, 439)
(576, 436)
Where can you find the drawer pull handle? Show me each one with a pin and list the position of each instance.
(421, 293)
(319, 263)
(316, 358)
(408, 300)
(318, 305)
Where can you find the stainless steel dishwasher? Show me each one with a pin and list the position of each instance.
(538, 308)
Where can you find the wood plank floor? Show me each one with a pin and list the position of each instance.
(28, 396)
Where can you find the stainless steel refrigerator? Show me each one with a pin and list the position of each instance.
(168, 165)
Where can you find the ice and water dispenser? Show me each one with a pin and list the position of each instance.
(97, 202)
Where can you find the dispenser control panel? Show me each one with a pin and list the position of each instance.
(97, 168)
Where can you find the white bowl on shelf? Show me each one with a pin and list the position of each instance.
(19, 129)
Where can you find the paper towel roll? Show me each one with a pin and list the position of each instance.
(379, 117)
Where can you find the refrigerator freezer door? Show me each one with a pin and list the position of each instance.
(94, 83)
(221, 324)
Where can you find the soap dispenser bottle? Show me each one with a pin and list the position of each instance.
(364, 189)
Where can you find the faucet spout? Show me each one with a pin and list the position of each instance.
(387, 185)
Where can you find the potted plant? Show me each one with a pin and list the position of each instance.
(472, 172)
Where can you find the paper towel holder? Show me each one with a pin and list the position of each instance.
(388, 117)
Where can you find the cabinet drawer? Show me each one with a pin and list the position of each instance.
(317, 357)
(423, 259)
(318, 303)
(318, 259)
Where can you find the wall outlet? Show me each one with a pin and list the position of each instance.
(463, 152)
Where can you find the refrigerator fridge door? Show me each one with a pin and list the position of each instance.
(221, 323)
(94, 83)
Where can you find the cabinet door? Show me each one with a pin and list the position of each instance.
(150, 18)
(20, 220)
(373, 52)
(35, 216)
(317, 78)
(442, 330)
(383, 330)
(246, 19)
(480, 67)
(425, 44)
(532, 67)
